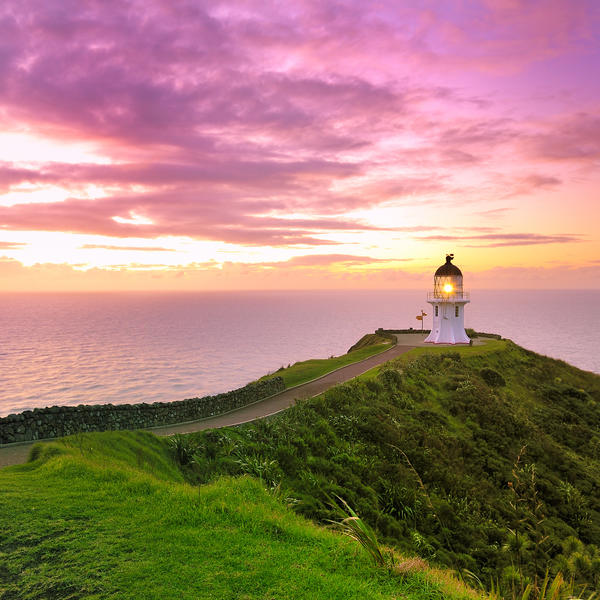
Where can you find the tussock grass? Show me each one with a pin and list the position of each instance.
(413, 570)
(551, 588)
(106, 515)
(355, 528)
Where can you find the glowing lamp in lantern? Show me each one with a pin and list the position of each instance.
(448, 301)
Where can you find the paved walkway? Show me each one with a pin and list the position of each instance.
(18, 453)
(287, 398)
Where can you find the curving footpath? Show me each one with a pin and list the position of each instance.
(18, 453)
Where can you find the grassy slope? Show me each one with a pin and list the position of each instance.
(488, 346)
(307, 370)
(462, 436)
(369, 339)
(107, 515)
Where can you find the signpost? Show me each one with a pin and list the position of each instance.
(420, 318)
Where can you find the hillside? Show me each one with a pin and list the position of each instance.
(108, 515)
(484, 459)
(307, 370)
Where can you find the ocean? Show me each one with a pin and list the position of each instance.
(70, 349)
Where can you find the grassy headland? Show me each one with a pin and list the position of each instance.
(108, 515)
(484, 458)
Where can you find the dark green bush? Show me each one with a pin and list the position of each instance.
(492, 378)
(183, 448)
(391, 379)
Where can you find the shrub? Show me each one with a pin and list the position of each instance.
(492, 378)
(183, 448)
(453, 356)
(391, 379)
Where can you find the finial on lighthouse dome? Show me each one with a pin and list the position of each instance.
(448, 301)
(448, 268)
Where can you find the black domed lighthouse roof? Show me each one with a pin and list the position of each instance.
(448, 269)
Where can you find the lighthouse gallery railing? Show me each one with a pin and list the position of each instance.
(448, 297)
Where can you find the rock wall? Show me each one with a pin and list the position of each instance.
(57, 421)
(384, 332)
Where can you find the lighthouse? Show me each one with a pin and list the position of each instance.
(448, 301)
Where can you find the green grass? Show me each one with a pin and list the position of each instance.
(107, 515)
(307, 370)
(369, 339)
(422, 448)
(487, 347)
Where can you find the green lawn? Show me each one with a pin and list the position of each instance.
(107, 515)
(489, 346)
(307, 370)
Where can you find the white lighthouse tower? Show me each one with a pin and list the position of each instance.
(448, 301)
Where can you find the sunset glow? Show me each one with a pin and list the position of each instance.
(264, 145)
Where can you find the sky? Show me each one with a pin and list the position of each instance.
(188, 145)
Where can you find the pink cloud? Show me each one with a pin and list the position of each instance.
(173, 214)
(126, 248)
(315, 260)
(262, 174)
(50, 277)
(11, 245)
(495, 240)
(233, 115)
(574, 138)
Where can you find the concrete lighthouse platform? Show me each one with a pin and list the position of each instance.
(418, 339)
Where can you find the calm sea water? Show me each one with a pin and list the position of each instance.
(119, 348)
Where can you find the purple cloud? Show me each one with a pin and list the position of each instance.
(178, 214)
(575, 138)
(495, 240)
(230, 116)
(316, 260)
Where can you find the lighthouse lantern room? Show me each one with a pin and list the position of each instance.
(448, 300)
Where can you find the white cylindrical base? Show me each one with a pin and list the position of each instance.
(448, 323)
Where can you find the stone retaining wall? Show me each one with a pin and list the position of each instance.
(57, 421)
(385, 332)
